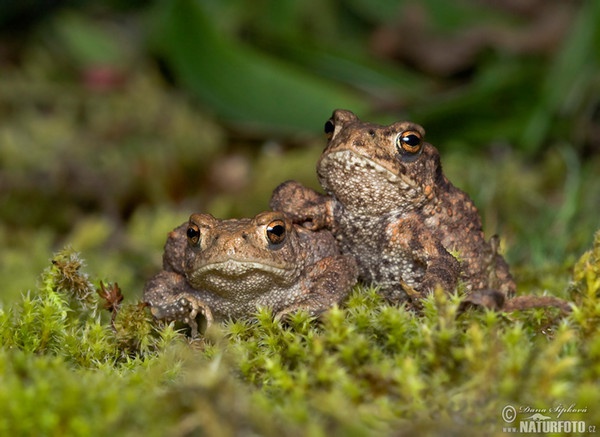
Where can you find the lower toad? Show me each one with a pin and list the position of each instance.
(227, 268)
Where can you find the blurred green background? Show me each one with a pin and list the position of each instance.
(120, 118)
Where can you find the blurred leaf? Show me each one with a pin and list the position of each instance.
(385, 10)
(326, 38)
(492, 107)
(239, 83)
(457, 16)
(88, 42)
(446, 16)
(390, 83)
(575, 68)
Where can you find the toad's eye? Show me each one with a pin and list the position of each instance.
(409, 142)
(193, 234)
(276, 232)
(329, 128)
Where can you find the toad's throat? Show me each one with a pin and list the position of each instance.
(237, 280)
(348, 161)
(362, 184)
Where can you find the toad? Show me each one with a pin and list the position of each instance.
(392, 208)
(227, 268)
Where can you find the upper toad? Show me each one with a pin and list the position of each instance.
(391, 208)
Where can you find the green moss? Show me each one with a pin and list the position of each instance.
(367, 368)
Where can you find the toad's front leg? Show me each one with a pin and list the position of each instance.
(421, 264)
(171, 298)
(304, 205)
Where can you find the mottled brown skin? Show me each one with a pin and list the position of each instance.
(391, 207)
(227, 268)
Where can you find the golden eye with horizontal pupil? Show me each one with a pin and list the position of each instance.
(409, 141)
(193, 234)
(276, 232)
(329, 128)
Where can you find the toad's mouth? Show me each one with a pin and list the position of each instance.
(350, 162)
(234, 268)
(360, 183)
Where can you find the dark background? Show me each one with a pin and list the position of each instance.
(119, 120)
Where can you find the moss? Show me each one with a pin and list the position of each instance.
(367, 368)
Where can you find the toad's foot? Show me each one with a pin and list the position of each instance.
(496, 300)
(183, 308)
(172, 299)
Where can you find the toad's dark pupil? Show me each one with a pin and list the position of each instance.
(329, 127)
(276, 233)
(411, 139)
(276, 230)
(193, 233)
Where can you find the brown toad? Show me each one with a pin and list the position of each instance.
(228, 268)
(391, 208)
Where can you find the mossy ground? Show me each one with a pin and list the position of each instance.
(366, 368)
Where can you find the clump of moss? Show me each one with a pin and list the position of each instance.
(376, 368)
(586, 276)
(585, 290)
(62, 318)
(66, 279)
